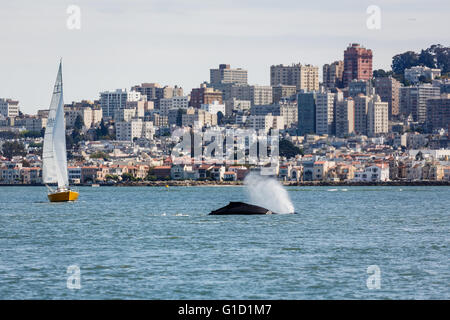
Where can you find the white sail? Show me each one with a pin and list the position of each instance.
(54, 151)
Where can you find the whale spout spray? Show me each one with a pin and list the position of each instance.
(268, 193)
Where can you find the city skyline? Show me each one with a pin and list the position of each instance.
(177, 43)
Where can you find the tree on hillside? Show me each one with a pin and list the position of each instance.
(11, 149)
(403, 61)
(78, 125)
(380, 73)
(288, 150)
(436, 56)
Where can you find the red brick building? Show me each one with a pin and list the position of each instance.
(204, 95)
(357, 63)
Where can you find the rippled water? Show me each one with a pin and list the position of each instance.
(158, 243)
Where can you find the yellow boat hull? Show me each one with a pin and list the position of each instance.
(63, 196)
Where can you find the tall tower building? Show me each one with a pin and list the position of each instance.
(304, 77)
(413, 100)
(361, 109)
(357, 63)
(325, 113)
(345, 117)
(377, 117)
(257, 95)
(306, 113)
(112, 101)
(438, 112)
(388, 89)
(282, 91)
(227, 75)
(332, 74)
(204, 95)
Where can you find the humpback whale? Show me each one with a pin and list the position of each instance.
(241, 208)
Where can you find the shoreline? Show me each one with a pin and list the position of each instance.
(186, 183)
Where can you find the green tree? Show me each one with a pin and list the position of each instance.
(128, 177)
(380, 73)
(288, 150)
(70, 143)
(151, 178)
(403, 61)
(78, 125)
(26, 164)
(8, 135)
(30, 134)
(424, 79)
(112, 177)
(11, 149)
(99, 155)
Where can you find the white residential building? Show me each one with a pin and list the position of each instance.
(90, 114)
(374, 173)
(9, 108)
(110, 101)
(345, 117)
(177, 102)
(324, 113)
(214, 107)
(135, 128)
(74, 174)
(414, 73)
(377, 117)
(266, 122)
(257, 95)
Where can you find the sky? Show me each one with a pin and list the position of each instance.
(122, 43)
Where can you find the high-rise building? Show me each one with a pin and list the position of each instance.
(90, 113)
(283, 91)
(361, 109)
(135, 128)
(155, 92)
(304, 77)
(306, 113)
(332, 74)
(236, 105)
(204, 95)
(438, 112)
(325, 113)
(345, 117)
(257, 95)
(357, 63)
(388, 88)
(286, 108)
(9, 108)
(289, 112)
(413, 100)
(227, 75)
(198, 118)
(266, 122)
(356, 87)
(377, 117)
(110, 101)
(179, 102)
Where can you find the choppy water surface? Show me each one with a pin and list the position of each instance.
(158, 243)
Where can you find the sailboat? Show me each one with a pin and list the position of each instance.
(54, 167)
